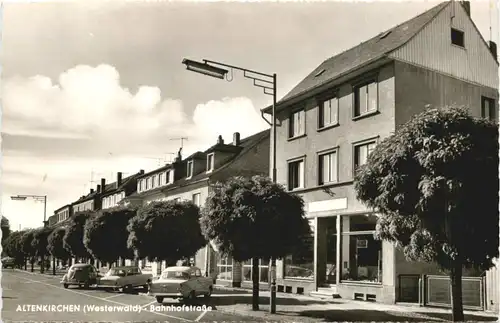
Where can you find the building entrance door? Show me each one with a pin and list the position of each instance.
(331, 250)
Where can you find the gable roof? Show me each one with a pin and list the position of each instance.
(364, 53)
(113, 187)
(246, 144)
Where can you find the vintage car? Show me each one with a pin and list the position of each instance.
(8, 262)
(125, 278)
(181, 282)
(82, 275)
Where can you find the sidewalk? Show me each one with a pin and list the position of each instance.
(298, 308)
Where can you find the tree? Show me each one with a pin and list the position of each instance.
(40, 243)
(427, 181)
(55, 245)
(105, 235)
(13, 248)
(246, 217)
(166, 231)
(5, 228)
(26, 246)
(73, 237)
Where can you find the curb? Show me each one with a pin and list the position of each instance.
(39, 274)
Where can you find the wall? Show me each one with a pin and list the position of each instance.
(343, 136)
(492, 288)
(474, 63)
(416, 87)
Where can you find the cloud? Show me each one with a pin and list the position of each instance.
(88, 100)
(86, 121)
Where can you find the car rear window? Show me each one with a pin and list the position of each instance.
(175, 275)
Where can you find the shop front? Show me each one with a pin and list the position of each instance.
(342, 258)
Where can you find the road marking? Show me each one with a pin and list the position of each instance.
(103, 299)
(112, 296)
(146, 305)
(200, 316)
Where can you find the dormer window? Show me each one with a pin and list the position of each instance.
(161, 179)
(210, 162)
(190, 169)
(169, 176)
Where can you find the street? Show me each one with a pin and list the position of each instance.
(21, 290)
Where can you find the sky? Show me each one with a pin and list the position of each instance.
(90, 89)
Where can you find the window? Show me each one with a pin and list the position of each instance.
(328, 170)
(170, 176)
(161, 179)
(189, 168)
(141, 185)
(296, 174)
(155, 181)
(297, 125)
(210, 162)
(263, 270)
(487, 108)
(361, 253)
(457, 37)
(196, 199)
(328, 112)
(366, 98)
(361, 153)
(224, 268)
(300, 264)
(149, 183)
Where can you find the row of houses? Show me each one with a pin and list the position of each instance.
(327, 126)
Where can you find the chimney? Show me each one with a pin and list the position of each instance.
(220, 141)
(91, 190)
(118, 179)
(103, 185)
(466, 5)
(493, 49)
(141, 171)
(236, 139)
(98, 188)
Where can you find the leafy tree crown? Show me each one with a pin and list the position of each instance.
(435, 184)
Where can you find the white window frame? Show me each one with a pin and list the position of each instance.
(190, 169)
(331, 178)
(210, 162)
(301, 161)
(297, 124)
(323, 121)
(162, 178)
(366, 87)
(370, 145)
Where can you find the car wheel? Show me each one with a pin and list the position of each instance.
(86, 285)
(159, 299)
(210, 290)
(127, 289)
(65, 285)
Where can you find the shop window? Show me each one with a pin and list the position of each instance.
(361, 252)
(263, 270)
(300, 264)
(225, 268)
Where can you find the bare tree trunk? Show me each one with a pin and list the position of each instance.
(457, 307)
(255, 283)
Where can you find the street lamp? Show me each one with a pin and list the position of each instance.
(268, 83)
(37, 198)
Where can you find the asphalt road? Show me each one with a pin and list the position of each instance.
(21, 290)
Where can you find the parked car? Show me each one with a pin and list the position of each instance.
(125, 278)
(82, 275)
(8, 262)
(181, 282)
